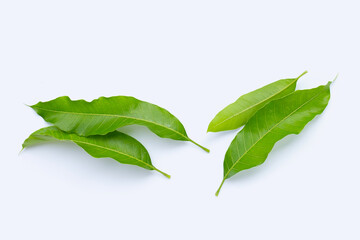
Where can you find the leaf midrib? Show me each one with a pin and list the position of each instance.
(246, 109)
(113, 150)
(114, 115)
(225, 176)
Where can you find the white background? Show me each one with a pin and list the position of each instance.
(192, 58)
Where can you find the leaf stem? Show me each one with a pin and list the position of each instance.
(204, 148)
(302, 74)
(165, 174)
(218, 191)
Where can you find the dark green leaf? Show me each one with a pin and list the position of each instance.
(105, 115)
(116, 145)
(279, 118)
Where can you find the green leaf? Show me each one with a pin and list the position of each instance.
(105, 115)
(276, 120)
(238, 113)
(116, 145)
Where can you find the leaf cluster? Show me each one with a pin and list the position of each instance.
(93, 126)
(269, 114)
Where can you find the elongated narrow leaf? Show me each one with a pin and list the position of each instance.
(116, 145)
(105, 115)
(238, 113)
(276, 120)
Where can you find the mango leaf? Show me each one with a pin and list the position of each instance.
(105, 115)
(238, 113)
(279, 118)
(116, 145)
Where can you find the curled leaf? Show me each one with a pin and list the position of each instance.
(115, 145)
(238, 113)
(104, 115)
(279, 118)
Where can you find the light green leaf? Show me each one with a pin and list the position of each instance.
(116, 145)
(105, 115)
(238, 113)
(279, 118)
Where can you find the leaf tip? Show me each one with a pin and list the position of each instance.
(22, 149)
(27, 105)
(331, 82)
(335, 77)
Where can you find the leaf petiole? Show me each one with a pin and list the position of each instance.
(218, 191)
(204, 148)
(165, 174)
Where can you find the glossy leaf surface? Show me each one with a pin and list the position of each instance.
(238, 113)
(105, 115)
(116, 145)
(276, 120)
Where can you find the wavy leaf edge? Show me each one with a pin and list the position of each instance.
(37, 134)
(327, 86)
(67, 98)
